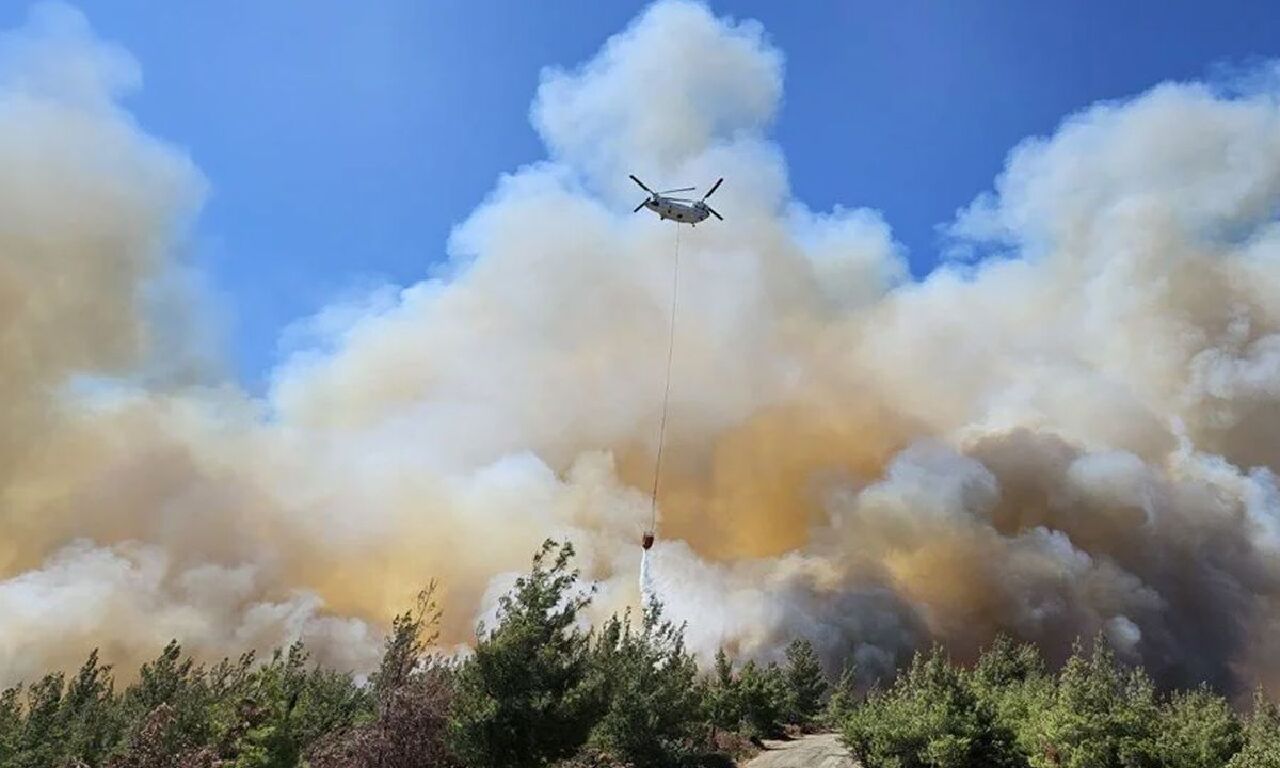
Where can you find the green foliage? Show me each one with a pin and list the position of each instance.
(753, 702)
(762, 699)
(1014, 683)
(931, 716)
(412, 691)
(1197, 730)
(194, 711)
(238, 714)
(843, 699)
(1009, 711)
(523, 698)
(1261, 737)
(806, 685)
(541, 690)
(11, 723)
(720, 695)
(42, 735)
(91, 721)
(647, 685)
(1101, 715)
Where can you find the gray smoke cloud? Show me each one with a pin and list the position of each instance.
(1069, 427)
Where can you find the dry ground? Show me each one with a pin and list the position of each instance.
(819, 750)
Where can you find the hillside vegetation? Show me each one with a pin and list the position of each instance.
(539, 690)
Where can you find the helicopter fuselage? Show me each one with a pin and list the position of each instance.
(677, 210)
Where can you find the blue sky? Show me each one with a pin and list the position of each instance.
(342, 141)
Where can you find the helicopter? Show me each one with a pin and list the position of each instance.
(681, 210)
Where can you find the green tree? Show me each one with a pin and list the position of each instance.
(1261, 737)
(647, 684)
(192, 716)
(1010, 679)
(91, 720)
(931, 717)
(522, 698)
(10, 724)
(805, 683)
(844, 697)
(264, 735)
(40, 742)
(720, 695)
(1102, 716)
(1197, 730)
(761, 693)
(331, 702)
(411, 692)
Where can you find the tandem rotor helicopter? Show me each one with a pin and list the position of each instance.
(681, 210)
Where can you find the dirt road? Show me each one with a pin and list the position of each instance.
(821, 750)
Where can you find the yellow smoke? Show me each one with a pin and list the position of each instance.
(1073, 435)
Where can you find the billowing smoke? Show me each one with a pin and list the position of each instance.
(1069, 427)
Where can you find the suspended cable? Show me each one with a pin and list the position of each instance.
(666, 394)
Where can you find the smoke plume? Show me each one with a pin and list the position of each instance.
(1069, 427)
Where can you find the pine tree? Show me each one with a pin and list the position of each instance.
(90, 714)
(723, 711)
(646, 681)
(931, 717)
(806, 683)
(1262, 737)
(843, 698)
(1197, 730)
(522, 698)
(762, 696)
(1102, 716)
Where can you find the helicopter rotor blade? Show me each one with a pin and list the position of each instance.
(641, 205)
(712, 211)
(682, 189)
(713, 189)
(641, 183)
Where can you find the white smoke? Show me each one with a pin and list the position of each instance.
(1070, 432)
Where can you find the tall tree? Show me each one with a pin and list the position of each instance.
(806, 683)
(647, 685)
(522, 698)
(1262, 737)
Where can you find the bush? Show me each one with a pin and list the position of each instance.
(1008, 711)
(754, 702)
